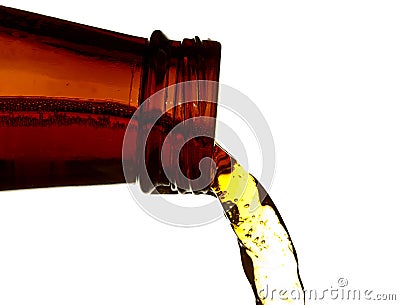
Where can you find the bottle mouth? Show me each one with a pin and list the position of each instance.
(177, 113)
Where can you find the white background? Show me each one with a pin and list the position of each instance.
(326, 76)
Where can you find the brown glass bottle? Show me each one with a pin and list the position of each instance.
(67, 96)
(68, 91)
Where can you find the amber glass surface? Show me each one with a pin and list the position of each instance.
(68, 91)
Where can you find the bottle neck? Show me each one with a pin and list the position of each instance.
(175, 65)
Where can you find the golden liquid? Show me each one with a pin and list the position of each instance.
(268, 256)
